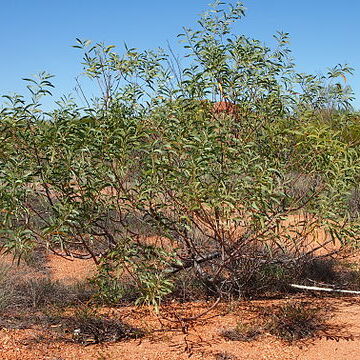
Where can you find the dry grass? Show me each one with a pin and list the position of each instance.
(289, 322)
(295, 321)
(243, 332)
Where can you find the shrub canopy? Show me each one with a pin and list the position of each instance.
(228, 168)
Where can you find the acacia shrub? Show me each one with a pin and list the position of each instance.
(211, 188)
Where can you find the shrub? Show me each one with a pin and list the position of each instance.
(38, 292)
(7, 296)
(243, 332)
(215, 181)
(112, 291)
(292, 321)
(354, 202)
(43, 291)
(35, 258)
(295, 321)
(92, 328)
(224, 356)
(320, 270)
(81, 292)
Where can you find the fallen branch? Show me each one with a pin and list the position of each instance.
(315, 288)
(191, 263)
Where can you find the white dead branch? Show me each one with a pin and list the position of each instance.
(315, 288)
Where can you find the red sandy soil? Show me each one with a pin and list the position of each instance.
(66, 270)
(202, 340)
(169, 340)
(70, 270)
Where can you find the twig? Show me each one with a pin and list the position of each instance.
(192, 262)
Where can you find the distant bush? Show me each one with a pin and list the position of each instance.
(18, 291)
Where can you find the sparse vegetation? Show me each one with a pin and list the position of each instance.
(224, 356)
(290, 322)
(39, 292)
(92, 328)
(6, 291)
(295, 321)
(243, 332)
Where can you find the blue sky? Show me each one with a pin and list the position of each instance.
(37, 35)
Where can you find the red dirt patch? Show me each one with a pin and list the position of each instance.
(202, 340)
(70, 269)
(170, 339)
